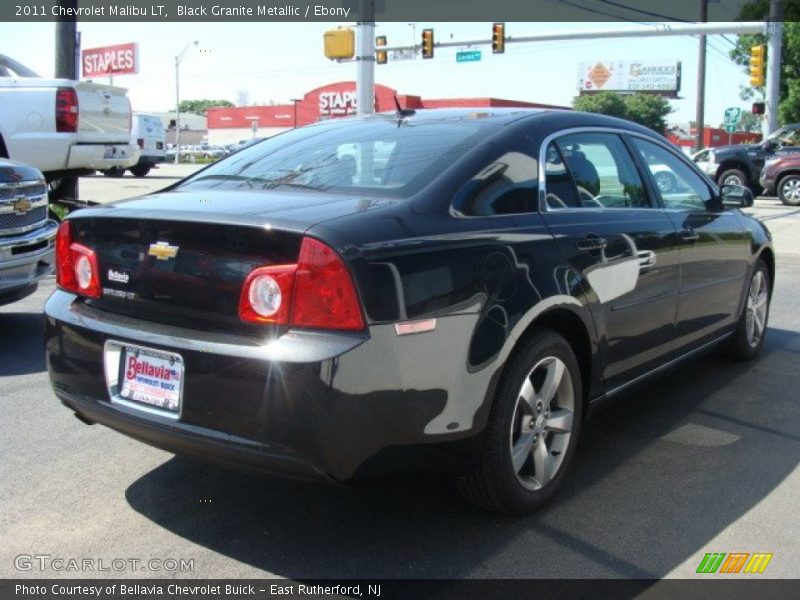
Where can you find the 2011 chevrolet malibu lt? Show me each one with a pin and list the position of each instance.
(443, 290)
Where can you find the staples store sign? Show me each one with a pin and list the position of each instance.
(121, 59)
(337, 103)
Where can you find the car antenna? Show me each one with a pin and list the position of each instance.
(403, 112)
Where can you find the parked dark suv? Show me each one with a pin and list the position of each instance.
(444, 290)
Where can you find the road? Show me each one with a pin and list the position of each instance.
(704, 459)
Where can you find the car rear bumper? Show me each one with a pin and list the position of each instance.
(101, 157)
(199, 442)
(307, 404)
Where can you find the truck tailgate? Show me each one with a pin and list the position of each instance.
(104, 113)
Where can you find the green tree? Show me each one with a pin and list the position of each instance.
(645, 109)
(603, 103)
(199, 107)
(758, 10)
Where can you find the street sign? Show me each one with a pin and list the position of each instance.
(733, 115)
(730, 128)
(403, 55)
(468, 56)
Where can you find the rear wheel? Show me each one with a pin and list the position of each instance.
(748, 338)
(114, 172)
(733, 177)
(532, 431)
(140, 170)
(789, 190)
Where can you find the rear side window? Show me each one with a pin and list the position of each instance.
(602, 170)
(680, 187)
(508, 185)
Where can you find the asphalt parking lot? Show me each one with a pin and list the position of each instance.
(705, 459)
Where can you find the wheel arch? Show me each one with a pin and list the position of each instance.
(3, 148)
(566, 320)
(768, 256)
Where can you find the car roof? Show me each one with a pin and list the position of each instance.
(551, 119)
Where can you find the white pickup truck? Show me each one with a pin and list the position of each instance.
(62, 127)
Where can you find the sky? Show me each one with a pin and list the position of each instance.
(266, 62)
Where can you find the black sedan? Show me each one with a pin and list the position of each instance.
(446, 290)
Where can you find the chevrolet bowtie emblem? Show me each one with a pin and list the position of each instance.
(162, 250)
(22, 205)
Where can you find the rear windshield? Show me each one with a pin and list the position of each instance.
(384, 157)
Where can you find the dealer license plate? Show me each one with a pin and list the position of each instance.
(151, 378)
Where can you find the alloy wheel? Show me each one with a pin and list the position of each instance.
(733, 180)
(791, 190)
(542, 424)
(756, 319)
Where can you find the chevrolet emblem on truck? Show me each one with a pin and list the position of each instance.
(22, 205)
(162, 250)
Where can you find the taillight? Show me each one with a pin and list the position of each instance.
(76, 265)
(140, 141)
(66, 110)
(317, 292)
(267, 295)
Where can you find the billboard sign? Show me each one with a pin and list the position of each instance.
(120, 59)
(654, 76)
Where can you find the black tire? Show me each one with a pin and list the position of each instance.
(741, 345)
(140, 170)
(114, 172)
(495, 484)
(788, 189)
(665, 181)
(736, 177)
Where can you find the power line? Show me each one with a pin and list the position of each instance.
(643, 12)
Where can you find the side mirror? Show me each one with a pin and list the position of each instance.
(736, 196)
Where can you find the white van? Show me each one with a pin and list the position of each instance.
(147, 132)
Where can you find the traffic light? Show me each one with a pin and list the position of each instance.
(427, 43)
(498, 38)
(757, 66)
(339, 43)
(381, 56)
(758, 108)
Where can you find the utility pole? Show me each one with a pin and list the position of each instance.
(701, 81)
(365, 59)
(66, 68)
(774, 45)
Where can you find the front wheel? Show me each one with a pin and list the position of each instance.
(140, 170)
(733, 177)
(532, 431)
(114, 172)
(789, 190)
(748, 339)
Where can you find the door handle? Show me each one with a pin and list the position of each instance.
(689, 235)
(591, 244)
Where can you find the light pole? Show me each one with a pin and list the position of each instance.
(295, 101)
(178, 60)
